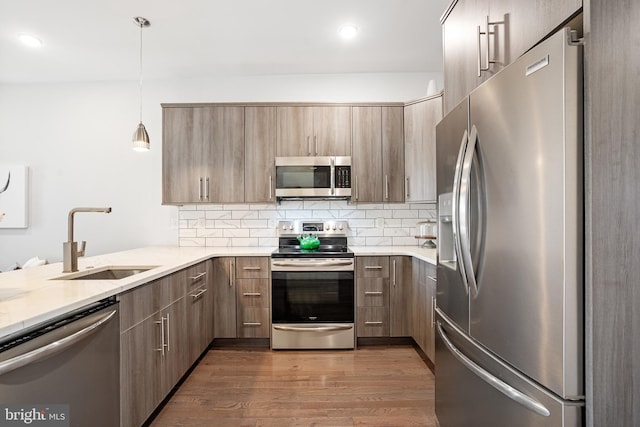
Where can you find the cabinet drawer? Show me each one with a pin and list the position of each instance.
(373, 322)
(197, 275)
(372, 266)
(253, 293)
(252, 267)
(139, 303)
(253, 322)
(373, 292)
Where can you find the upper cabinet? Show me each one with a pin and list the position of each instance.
(378, 154)
(420, 119)
(259, 154)
(203, 155)
(483, 36)
(314, 131)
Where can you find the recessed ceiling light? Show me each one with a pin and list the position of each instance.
(348, 31)
(30, 40)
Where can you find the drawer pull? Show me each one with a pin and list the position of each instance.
(251, 268)
(199, 294)
(251, 294)
(252, 324)
(373, 293)
(198, 276)
(432, 278)
(373, 323)
(373, 267)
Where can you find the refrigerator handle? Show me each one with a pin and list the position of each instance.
(463, 212)
(455, 220)
(504, 388)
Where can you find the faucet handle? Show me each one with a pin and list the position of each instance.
(82, 247)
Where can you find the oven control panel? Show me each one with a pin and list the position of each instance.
(321, 228)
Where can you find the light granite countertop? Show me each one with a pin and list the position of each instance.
(31, 296)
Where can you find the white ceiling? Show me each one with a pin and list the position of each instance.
(97, 40)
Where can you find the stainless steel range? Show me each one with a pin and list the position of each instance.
(312, 291)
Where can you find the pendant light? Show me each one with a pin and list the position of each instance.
(140, 136)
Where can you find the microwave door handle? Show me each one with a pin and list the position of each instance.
(333, 176)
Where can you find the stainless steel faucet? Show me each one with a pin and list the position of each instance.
(70, 252)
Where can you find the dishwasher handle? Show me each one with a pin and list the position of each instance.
(54, 347)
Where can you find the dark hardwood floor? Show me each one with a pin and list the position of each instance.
(371, 386)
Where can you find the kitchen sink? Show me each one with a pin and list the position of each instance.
(107, 273)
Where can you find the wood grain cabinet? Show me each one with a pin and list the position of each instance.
(200, 301)
(242, 297)
(378, 154)
(481, 37)
(383, 287)
(314, 131)
(423, 306)
(153, 339)
(259, 154)
(203, 154)
(420, 119)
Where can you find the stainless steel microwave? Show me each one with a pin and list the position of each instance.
(313, 177)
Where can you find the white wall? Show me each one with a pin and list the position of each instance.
(75, 138)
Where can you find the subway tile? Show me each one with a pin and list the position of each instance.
(370, 206)
(262, 232)
(405, 214)
(237, 241)
(297, 214)
(254, 223)
(379, 241)
(190, 215)
(324, 214)
(209, 232)
(188, 232)
(388, 222)
(378, 213)
(369, 232)
(292, 204)
(352, 213)
(271, 214)
(410, 222)
(405, 241)
(235, 232)
(356, 241)
(340, 204)
(209, 207)
(356, 223)
(317, 204)
(263, 207)
(219, 215)
(183, 223)
(197, 223)
(227, 223)
(397, 206)
(218, 241)
(187, 208)
(268, 241)
(396, 232)
(427, 213)
(243, 214)
(192, 242)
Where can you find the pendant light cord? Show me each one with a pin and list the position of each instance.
(140, 74)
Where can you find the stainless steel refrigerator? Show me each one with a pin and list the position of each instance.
(509, 345)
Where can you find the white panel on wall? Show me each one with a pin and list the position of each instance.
(14, 187)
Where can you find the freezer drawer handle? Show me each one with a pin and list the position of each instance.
(496, 383)
(54, 347)
(313, 328)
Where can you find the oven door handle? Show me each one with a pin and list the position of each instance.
(311, 264)
(313, 328)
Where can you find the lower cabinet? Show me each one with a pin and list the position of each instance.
(164, 330)
(242, 297)
(423, 305)
(383, 286)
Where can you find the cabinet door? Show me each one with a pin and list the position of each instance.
(224, 297)
(419, 306)
(176, 357)
(460, 46)
(431, 305)
(181, 155)
(259, 155)
(295, 131)
(400, 296)
(392, 154)
(140, 371)
(522, 24)
(367, 159)
(200, 308)
(420, 149)
(223, 158)
(332, 131)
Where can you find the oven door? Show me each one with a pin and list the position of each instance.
(312, 297)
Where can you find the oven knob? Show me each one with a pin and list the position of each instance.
(326, 227)
(340, 227)
(284, 227)
(334, 226)
(291, 227)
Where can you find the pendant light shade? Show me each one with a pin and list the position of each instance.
(140, 136)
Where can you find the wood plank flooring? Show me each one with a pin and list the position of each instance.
(371, 386)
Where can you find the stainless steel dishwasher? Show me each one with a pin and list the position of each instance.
(66, 370)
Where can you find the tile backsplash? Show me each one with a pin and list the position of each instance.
(255, 224)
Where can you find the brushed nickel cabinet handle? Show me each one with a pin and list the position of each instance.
(386, 187)
(315, 137)
(373, 323)
(408, 195)
(251, 268)
(270, 187)
(394, 273)
(231, 273)
(252, 324)
(198, 276)
(308, 145)
(373, 267)
(199, 294)
(200, 189)
(168, 338)
(251, 294)
(161, 323)
(373, 293)
(432, 278)
(206, 193)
